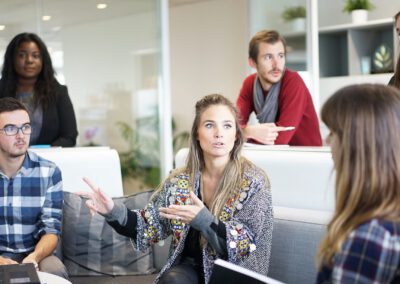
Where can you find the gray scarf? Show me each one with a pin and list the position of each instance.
(266, 107)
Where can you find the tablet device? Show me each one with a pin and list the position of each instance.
(226, 272)
(18, 274)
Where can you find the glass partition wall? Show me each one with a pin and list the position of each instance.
(111, 58)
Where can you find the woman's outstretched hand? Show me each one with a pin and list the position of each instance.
(98, 201)
(184, 213)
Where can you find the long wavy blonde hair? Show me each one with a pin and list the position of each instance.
(365, 120)
(231, 178)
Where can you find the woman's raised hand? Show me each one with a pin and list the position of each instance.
(98, 201)
(184, 213)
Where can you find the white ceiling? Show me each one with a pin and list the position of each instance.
(25, 15)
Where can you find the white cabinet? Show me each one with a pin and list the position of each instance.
(343, 47)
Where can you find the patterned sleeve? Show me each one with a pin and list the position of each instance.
(151, 228)
(50, 219)
(369, 255)
(249, 231)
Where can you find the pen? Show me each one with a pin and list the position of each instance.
(289, 128)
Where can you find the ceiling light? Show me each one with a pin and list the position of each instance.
(46, 18)
(101, 6)
(2, 27)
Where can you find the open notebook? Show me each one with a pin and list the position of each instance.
(18, 273)
(226, 272)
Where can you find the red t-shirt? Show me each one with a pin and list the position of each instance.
(295, 108)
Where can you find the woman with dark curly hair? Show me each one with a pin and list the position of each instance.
(28, 76)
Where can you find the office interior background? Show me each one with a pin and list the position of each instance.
(134, 66)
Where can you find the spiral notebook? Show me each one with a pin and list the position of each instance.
(226, 272)
(18, 274)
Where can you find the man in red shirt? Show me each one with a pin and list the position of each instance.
(278, 96)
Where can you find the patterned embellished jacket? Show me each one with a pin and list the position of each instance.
(247, 216)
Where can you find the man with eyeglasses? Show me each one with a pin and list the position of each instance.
(31, 196)
(279, 97)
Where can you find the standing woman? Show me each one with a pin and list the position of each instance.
(217, 206)
(28, 75)
(395, 80)
(362, 244)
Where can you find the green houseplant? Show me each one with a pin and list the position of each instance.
(292, 13)
(297, 16)
(141, 160)
(358, 10)
(351, 5)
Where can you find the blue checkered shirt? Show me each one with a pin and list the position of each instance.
(30, 204)
(371, 254)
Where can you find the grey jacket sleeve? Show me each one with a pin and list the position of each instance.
(118, 213)
(212, 230)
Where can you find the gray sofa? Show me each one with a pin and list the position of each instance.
(299, 198)
(93, 251)
(296, 236)
(295, 240)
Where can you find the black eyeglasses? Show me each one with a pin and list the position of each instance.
(11, 130)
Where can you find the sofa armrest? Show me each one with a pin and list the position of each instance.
(295, 240)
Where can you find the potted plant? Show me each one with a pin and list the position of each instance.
(358, 10)
(296, 15)
(140, 164)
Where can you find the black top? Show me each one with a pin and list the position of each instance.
(59, 123)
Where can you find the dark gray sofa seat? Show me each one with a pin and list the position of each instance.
(295, 240)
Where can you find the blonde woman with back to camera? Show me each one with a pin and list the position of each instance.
(362, 244)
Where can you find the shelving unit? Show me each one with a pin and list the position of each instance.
(341, 47)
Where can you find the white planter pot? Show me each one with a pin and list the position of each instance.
(359, 16)
(299, 24)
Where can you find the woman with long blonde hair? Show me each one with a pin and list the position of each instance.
(218, 206)
(362, 244)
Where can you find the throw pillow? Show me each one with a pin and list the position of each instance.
(92, 247)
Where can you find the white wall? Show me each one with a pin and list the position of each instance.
(102, 71)
(208, 53)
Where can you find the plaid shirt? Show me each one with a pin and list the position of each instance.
(371, 254)
(30, 204)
